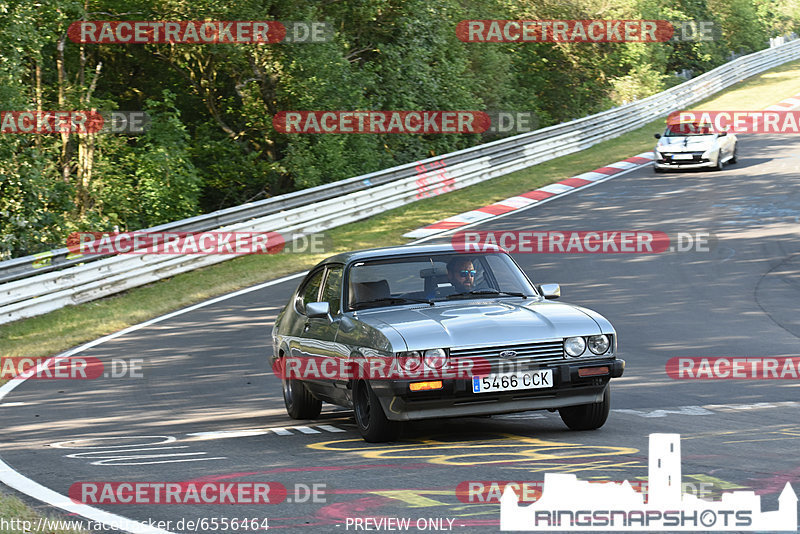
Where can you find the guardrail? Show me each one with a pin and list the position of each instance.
(44, 282)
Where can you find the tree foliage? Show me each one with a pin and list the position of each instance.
(212, 143)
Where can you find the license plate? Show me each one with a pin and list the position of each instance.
(542, 378)
(682, 156)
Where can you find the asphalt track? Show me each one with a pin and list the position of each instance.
(208, 408)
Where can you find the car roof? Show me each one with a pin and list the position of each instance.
(404, 250)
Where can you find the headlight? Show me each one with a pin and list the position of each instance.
(435, 358)
(575, 346)
(409, 360)
(598, 344)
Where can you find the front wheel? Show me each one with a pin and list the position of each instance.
(587, 416)
(300, 404)
(373, 424)
(734, 157)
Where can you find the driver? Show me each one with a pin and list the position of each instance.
(461, 274)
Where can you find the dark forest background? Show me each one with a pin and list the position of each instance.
(212, 145)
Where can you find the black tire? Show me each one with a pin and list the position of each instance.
(587, 416)
(300, 404)
(734, 158)
(373, 424)
(657, 170)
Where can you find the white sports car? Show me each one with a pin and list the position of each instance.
(693, 146)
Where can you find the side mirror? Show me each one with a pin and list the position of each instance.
(318, 310)
(657, 136)
(550, 291)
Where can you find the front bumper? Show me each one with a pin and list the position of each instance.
(456, 398)
(668, 162)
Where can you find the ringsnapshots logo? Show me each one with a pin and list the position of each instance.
(571, 504)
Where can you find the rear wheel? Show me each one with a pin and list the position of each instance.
(373, 424)
(587, 416)
(300, 404)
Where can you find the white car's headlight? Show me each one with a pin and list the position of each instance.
(598, 344)
(574, 346)
(409, 360)
(435, 358)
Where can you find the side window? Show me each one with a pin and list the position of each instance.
(332, 292)
(309, 291)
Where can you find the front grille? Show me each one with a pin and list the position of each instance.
(527, 353)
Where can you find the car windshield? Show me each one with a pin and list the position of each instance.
(688, 129)
(434, 278)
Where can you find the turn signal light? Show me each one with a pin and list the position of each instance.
(593, 371)
(422, 386)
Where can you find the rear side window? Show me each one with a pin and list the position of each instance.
(309, 292)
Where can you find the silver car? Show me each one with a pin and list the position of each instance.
(422, 332)
(693, 146)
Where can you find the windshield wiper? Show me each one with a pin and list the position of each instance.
(390, 300)
(488, 292)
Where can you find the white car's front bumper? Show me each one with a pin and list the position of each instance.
(668, 162)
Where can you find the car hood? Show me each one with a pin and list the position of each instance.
(485, 323)
(687, 143)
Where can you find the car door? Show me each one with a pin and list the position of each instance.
(319, 338)
(297, 327)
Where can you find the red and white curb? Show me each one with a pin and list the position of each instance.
(786, 104)
(564, 187)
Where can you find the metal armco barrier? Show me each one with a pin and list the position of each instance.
(37, 284)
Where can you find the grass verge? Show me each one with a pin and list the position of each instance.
(19, 519)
